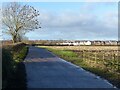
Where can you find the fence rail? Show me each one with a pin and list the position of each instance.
(106, 59)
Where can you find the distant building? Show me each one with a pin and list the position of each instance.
(76, 43)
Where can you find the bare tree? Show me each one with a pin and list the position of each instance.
(21, 37)
(19, 19)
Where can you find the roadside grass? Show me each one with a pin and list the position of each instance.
(13, 69)
(74, 58)
(20, 56)
(20, 73)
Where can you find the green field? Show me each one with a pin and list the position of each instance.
(101, 60)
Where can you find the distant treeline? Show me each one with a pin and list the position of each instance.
(66, 42)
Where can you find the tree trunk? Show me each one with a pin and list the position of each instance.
(19, 38)
(14, 38)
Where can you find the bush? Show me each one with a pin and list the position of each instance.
(18, 46)
(14, 47)
(20, 55)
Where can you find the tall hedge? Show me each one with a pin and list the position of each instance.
(12, 71)
(8, 66)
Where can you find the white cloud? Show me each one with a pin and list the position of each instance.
(70, 19)
(65, 19)
(111, 20)
(70, 25)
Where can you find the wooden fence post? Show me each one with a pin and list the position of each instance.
(95, 57)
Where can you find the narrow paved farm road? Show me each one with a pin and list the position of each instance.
(45, 70)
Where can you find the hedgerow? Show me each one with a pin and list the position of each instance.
(13, 69)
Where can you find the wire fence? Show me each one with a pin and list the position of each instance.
(104, 59)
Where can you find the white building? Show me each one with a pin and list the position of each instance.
(88, 43)
(77, 43)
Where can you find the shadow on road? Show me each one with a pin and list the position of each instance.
(38, 53)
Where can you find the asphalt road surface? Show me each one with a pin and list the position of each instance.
(45, 70)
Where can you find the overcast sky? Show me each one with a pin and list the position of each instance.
(76, 21)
